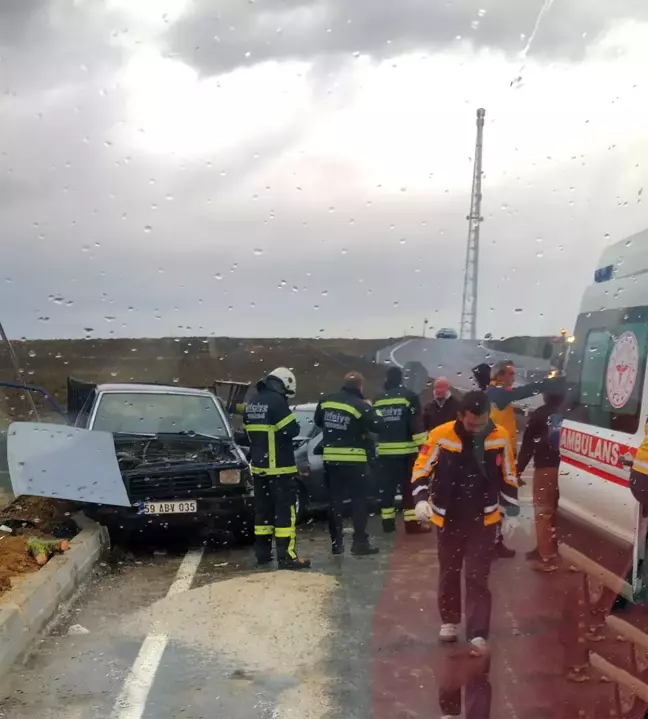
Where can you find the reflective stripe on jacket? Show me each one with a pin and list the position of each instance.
(347, 422)
(439, 467)
(640, 462)
(271, 427)
(402, 431)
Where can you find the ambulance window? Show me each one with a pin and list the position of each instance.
(607, 374)
(595, 358)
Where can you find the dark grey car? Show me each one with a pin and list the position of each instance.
(313, 493)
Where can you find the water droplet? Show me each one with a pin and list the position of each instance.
(481, 12)
(324, 293)
(540, 254)
(218, 276)
(518, 310)
(343, 251)
(31, 353)
(402, 241)
(258, 251)
(147, 228)
(108, 318)
(628, 243)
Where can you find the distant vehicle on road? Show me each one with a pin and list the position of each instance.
(177, 455)
(313, 494)
(447, 333)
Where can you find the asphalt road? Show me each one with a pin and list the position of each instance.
(202, 634)
(454, 359)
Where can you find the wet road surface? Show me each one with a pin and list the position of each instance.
(202, 634)
(454, 359)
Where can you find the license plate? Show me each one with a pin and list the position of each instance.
(186, 507)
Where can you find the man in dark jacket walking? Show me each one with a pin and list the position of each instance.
(443, 408)
(271, 427)
(347, 420)
(399, 440)
(462, 477)
(541, 441)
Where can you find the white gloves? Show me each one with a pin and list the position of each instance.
(423, 512)
(509, 525)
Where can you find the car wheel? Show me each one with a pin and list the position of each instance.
(301, 503)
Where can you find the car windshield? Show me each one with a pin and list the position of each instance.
(305, 421)
(152, 413)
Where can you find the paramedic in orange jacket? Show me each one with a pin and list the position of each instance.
(502, 394)
(639, 474)
(464, 479)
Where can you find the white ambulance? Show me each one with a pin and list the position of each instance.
(598, 518)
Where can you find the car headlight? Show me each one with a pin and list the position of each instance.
(229, 476)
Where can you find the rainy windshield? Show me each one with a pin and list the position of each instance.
(422, 223)
(151, 413)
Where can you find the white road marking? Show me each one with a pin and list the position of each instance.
(392, 357)
(132, 700)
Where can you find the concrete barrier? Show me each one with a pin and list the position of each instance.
(27, 608)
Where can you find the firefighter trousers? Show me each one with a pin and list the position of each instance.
(467, 545)
(395, 474)
(274, 515)
(347, 481)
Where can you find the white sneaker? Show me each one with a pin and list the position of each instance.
(449, 632)
(478, 647)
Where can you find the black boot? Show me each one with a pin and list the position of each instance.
(263, 549)
(337, 547)
(296, 563)
(364, 549)
(389, 525)
(287, 556)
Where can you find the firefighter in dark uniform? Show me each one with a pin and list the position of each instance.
(399, 441)
(271, 427)
(347, 421)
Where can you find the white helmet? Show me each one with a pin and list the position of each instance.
(287, 379)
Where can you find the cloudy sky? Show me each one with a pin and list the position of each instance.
(303, 167)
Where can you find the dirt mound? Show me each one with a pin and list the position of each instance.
(39, 516)
(15, 560)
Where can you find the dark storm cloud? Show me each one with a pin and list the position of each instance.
(46, 44)
(218, 36)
